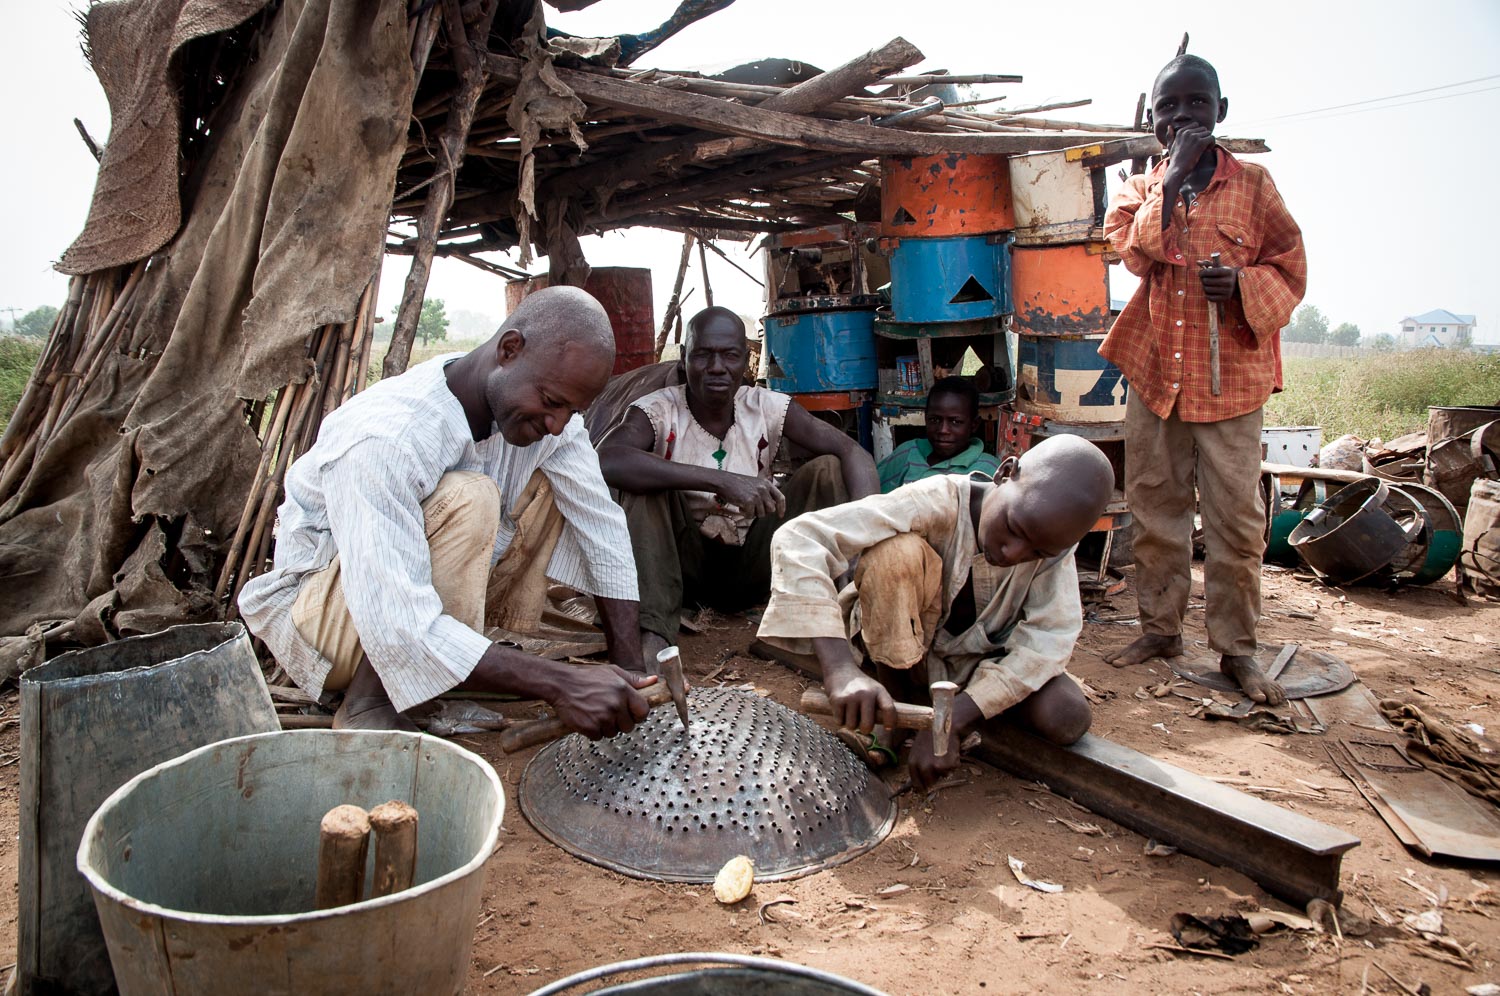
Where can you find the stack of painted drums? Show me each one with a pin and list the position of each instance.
(945, 224)
(1060, 278)
(819, 338)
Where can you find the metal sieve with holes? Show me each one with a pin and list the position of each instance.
(752, 777)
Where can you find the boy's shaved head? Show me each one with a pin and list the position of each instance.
(1045, 502)
(1194, 63)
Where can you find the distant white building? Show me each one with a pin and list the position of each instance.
(1438, 328)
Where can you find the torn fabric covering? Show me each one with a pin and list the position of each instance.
(122, 520)
(541, 102)
(133, 46)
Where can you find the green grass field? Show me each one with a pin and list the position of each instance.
(1384, 395)
(17, 356)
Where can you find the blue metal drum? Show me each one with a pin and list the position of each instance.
(950, 279)
(1066, 380)
(819, 351)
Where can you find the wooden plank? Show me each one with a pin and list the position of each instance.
(1141, 146)
(809, 95)
(712, 114)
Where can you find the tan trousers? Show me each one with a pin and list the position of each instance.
(900, 585)
(1164, 459)
(462, 519)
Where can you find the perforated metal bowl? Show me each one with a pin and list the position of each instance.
(752, 777)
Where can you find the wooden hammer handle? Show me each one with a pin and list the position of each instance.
(540, 731)
(908, 717)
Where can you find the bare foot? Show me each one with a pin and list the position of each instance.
(371, 713)
(1145, 647)
(651, 645)
(1252, 680)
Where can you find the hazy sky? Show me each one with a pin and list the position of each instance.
(1396, 197)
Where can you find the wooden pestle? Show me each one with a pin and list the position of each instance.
(343, 842)
(395, 826)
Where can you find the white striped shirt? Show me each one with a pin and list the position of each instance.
(358, 493)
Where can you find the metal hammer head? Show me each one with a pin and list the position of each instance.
(669, 669)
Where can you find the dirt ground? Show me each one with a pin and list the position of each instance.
(965, 925)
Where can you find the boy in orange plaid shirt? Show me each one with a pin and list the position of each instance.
(1180, 432)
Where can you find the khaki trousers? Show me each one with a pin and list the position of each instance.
(462, 520)
(1165, 459)
(678, 565)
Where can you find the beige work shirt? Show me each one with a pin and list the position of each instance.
(1028, 617)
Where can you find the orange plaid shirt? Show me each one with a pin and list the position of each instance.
(1160, 340)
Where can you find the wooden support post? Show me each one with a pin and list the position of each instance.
(343, 842)
(395, 826)
(452, 143)
(708, 291)
(676, 300)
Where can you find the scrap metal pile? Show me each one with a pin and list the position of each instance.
(1403, 512)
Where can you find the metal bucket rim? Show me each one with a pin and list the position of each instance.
(37, 675)
(711, 957)
(108, 889)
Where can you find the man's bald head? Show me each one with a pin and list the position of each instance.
(1046, 501)
(548, 361)
(562, 320)
(716, 321)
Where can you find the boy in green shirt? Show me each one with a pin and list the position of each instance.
(950, 446)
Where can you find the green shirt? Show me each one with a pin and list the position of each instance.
(908, 462)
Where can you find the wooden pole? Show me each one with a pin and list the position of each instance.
(452, 143)
(343, 843)
(708, 291)
(395, 826)
(676, 299)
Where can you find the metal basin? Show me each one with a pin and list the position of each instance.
(203, 868)
(1352, 536)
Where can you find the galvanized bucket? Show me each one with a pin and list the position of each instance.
(90, 721)
(203, 868)
(731, 975)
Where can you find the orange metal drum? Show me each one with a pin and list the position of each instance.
(625, 292)
(955, 194)
(1060, 290)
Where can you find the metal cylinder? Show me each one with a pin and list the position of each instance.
(90, 721)
(953, 279)
(817, 352)
(203, 867)
(625, 292)
(1057, 199)
(1066, 380)
(1060, 290)
(955, 194)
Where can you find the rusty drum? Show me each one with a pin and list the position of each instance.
(625, 292)
(1060, 290)
(955, 194)
(1058, 200)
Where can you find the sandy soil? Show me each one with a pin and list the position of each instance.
(965, 925)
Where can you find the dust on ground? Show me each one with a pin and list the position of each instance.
(964, 924)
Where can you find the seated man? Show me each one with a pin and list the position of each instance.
(963, 580)
(414, 489)
(950, 446)
(693, 465)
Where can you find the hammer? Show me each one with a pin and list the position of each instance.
(938, 718)
(669, 687)
(1214, 309)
